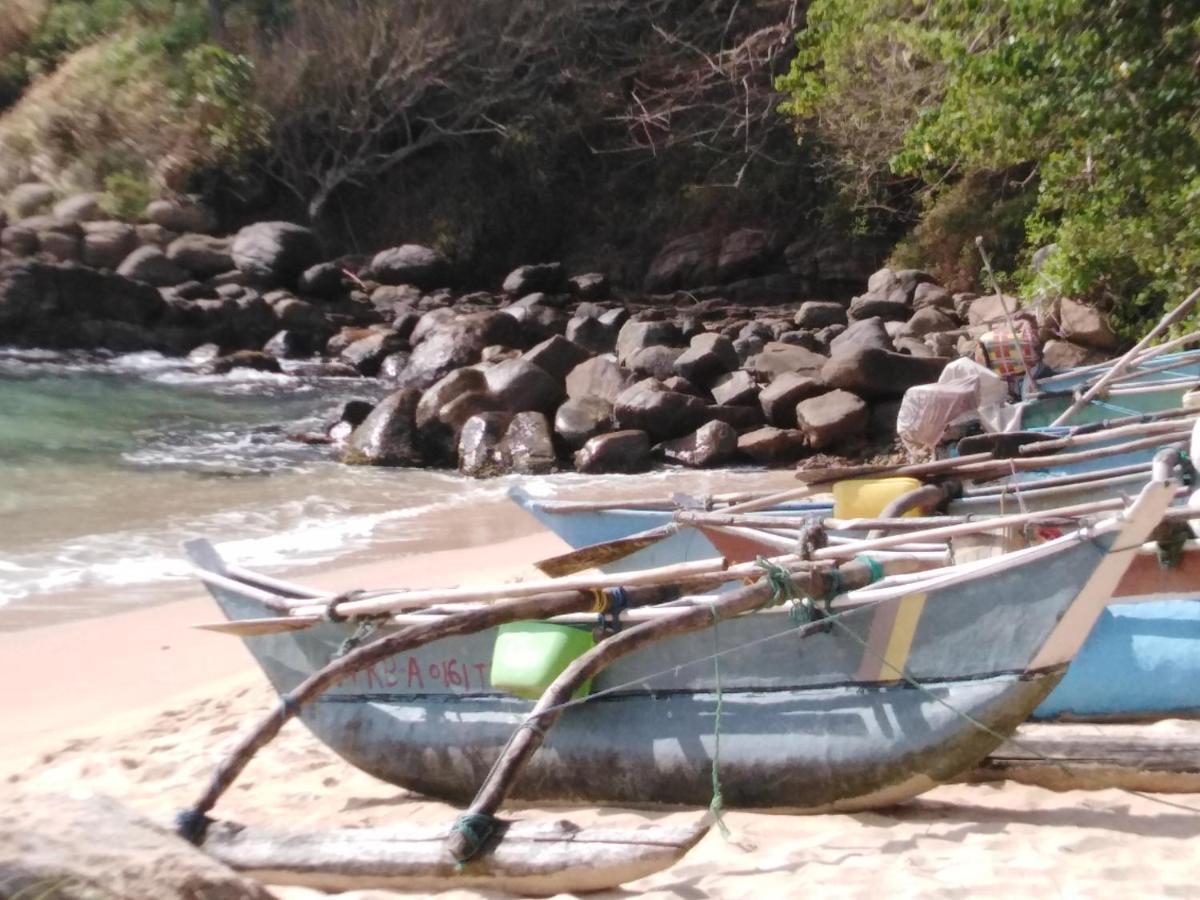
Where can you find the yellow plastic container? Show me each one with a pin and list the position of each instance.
(866, 498)
(527, 656)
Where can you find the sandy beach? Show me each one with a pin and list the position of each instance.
(139, 706)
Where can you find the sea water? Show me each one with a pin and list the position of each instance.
(108, 465)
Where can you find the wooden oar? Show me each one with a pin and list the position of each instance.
(915, 470)
(601, 554)
(1128, 359)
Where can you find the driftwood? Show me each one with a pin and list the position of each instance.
(1164, 757)
(1129, 358)
(524, 858)
(547, 711)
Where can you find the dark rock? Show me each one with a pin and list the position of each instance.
(355, 412)
(806, 339)
(712, 444)
(430, 322)
(708, 357)
(275, 252)
(538, 321)
(29, 199)
(688, 261)
(748, 347)
(205, 353)
(818, 314)
(589, 286)
(521, 386)
(19, 240)
(591, 334)
(546, 277)
(740, 418)
(736, 389)
(581, 418)
(387, 437)
(743, 254)
(479, 452)
(928, 320)
(456, 343)
(832, 418)
(325, 281)
(600, 377)
(901, 282)
(557, 355)
(758, 329)
(933, 295)
(779, 398)
(1086, 325)
(79, 208)
(245, 359)
(654, 362)
(614, 318)
(862, 335)
(409, 264)
(682, 386)
(496, 354)
(181, 216)
(106, 244)
(80, 847)
(772, 446)
(943, 343)
(990, 310)
(392, 367)
(1059, 355)
(367, 354)
(870, 306)
(287, 345)
(881, 422)
(60, 245)
(875, 373)
(777, 358)
(201, 254)
(617, 451)
(154, 234)
(662, 414)
(527, 446)
(635, 336)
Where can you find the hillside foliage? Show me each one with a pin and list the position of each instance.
(1090, 109)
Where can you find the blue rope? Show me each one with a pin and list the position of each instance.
(478, 829)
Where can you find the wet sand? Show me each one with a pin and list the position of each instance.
(141, 707)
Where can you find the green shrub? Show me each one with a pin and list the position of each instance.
(126, 195)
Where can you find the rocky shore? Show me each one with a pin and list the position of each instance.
(719, 359)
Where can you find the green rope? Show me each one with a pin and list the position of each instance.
(874, 566)
(717, 805)
(478, 829)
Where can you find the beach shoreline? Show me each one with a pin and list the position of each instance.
(139, 706)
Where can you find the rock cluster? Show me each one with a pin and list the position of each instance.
(547, 371)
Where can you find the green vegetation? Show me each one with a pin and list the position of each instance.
(1091, 109)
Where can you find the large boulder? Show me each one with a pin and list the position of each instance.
(201, 254)
(80, 847)
(544, 277)
(522, 386)
(617, 451)
(590, 333)
(833, 418)
(29, 199)
(688, 261)
(819, 313)
(736, 389)
(107, 244)
(254, 360)
(409, 264)
(993, 309)
(275, 252)
(181, 216)
(78, 208)
(324, 281)
(557, 355)
(637, 335)
(479, 451)
(929, 320)
(870, 306)
(654, 362)
(19, 240)
(599, 377)
(589, 286)
(707, 358)
(527, 447)
(862, 335)
(388, 436)
(777, 358)
(875, 373)
(580, 419)
(712, 444)
(779, 398)
(367, 354)
(929, 294)
(772, 446)
(1059, 355)
(1086, 325)
(744, 253)
(455, 343)
(662, 414)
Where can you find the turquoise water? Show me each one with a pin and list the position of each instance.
(106, 467)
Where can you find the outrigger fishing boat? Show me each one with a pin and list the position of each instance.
(898, 681)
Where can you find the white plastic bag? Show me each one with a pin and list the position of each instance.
(927, 410)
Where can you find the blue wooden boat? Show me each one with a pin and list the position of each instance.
(906, 686)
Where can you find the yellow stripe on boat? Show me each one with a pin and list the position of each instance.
(899, 644)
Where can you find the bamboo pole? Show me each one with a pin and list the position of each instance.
(1095, 437)
(466, 622)
(1128, 359)
(916, 470)
(1099, 475)
(547, 711)
(1097, 368)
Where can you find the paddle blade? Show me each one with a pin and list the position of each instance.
(605, 552)
(256, 627)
